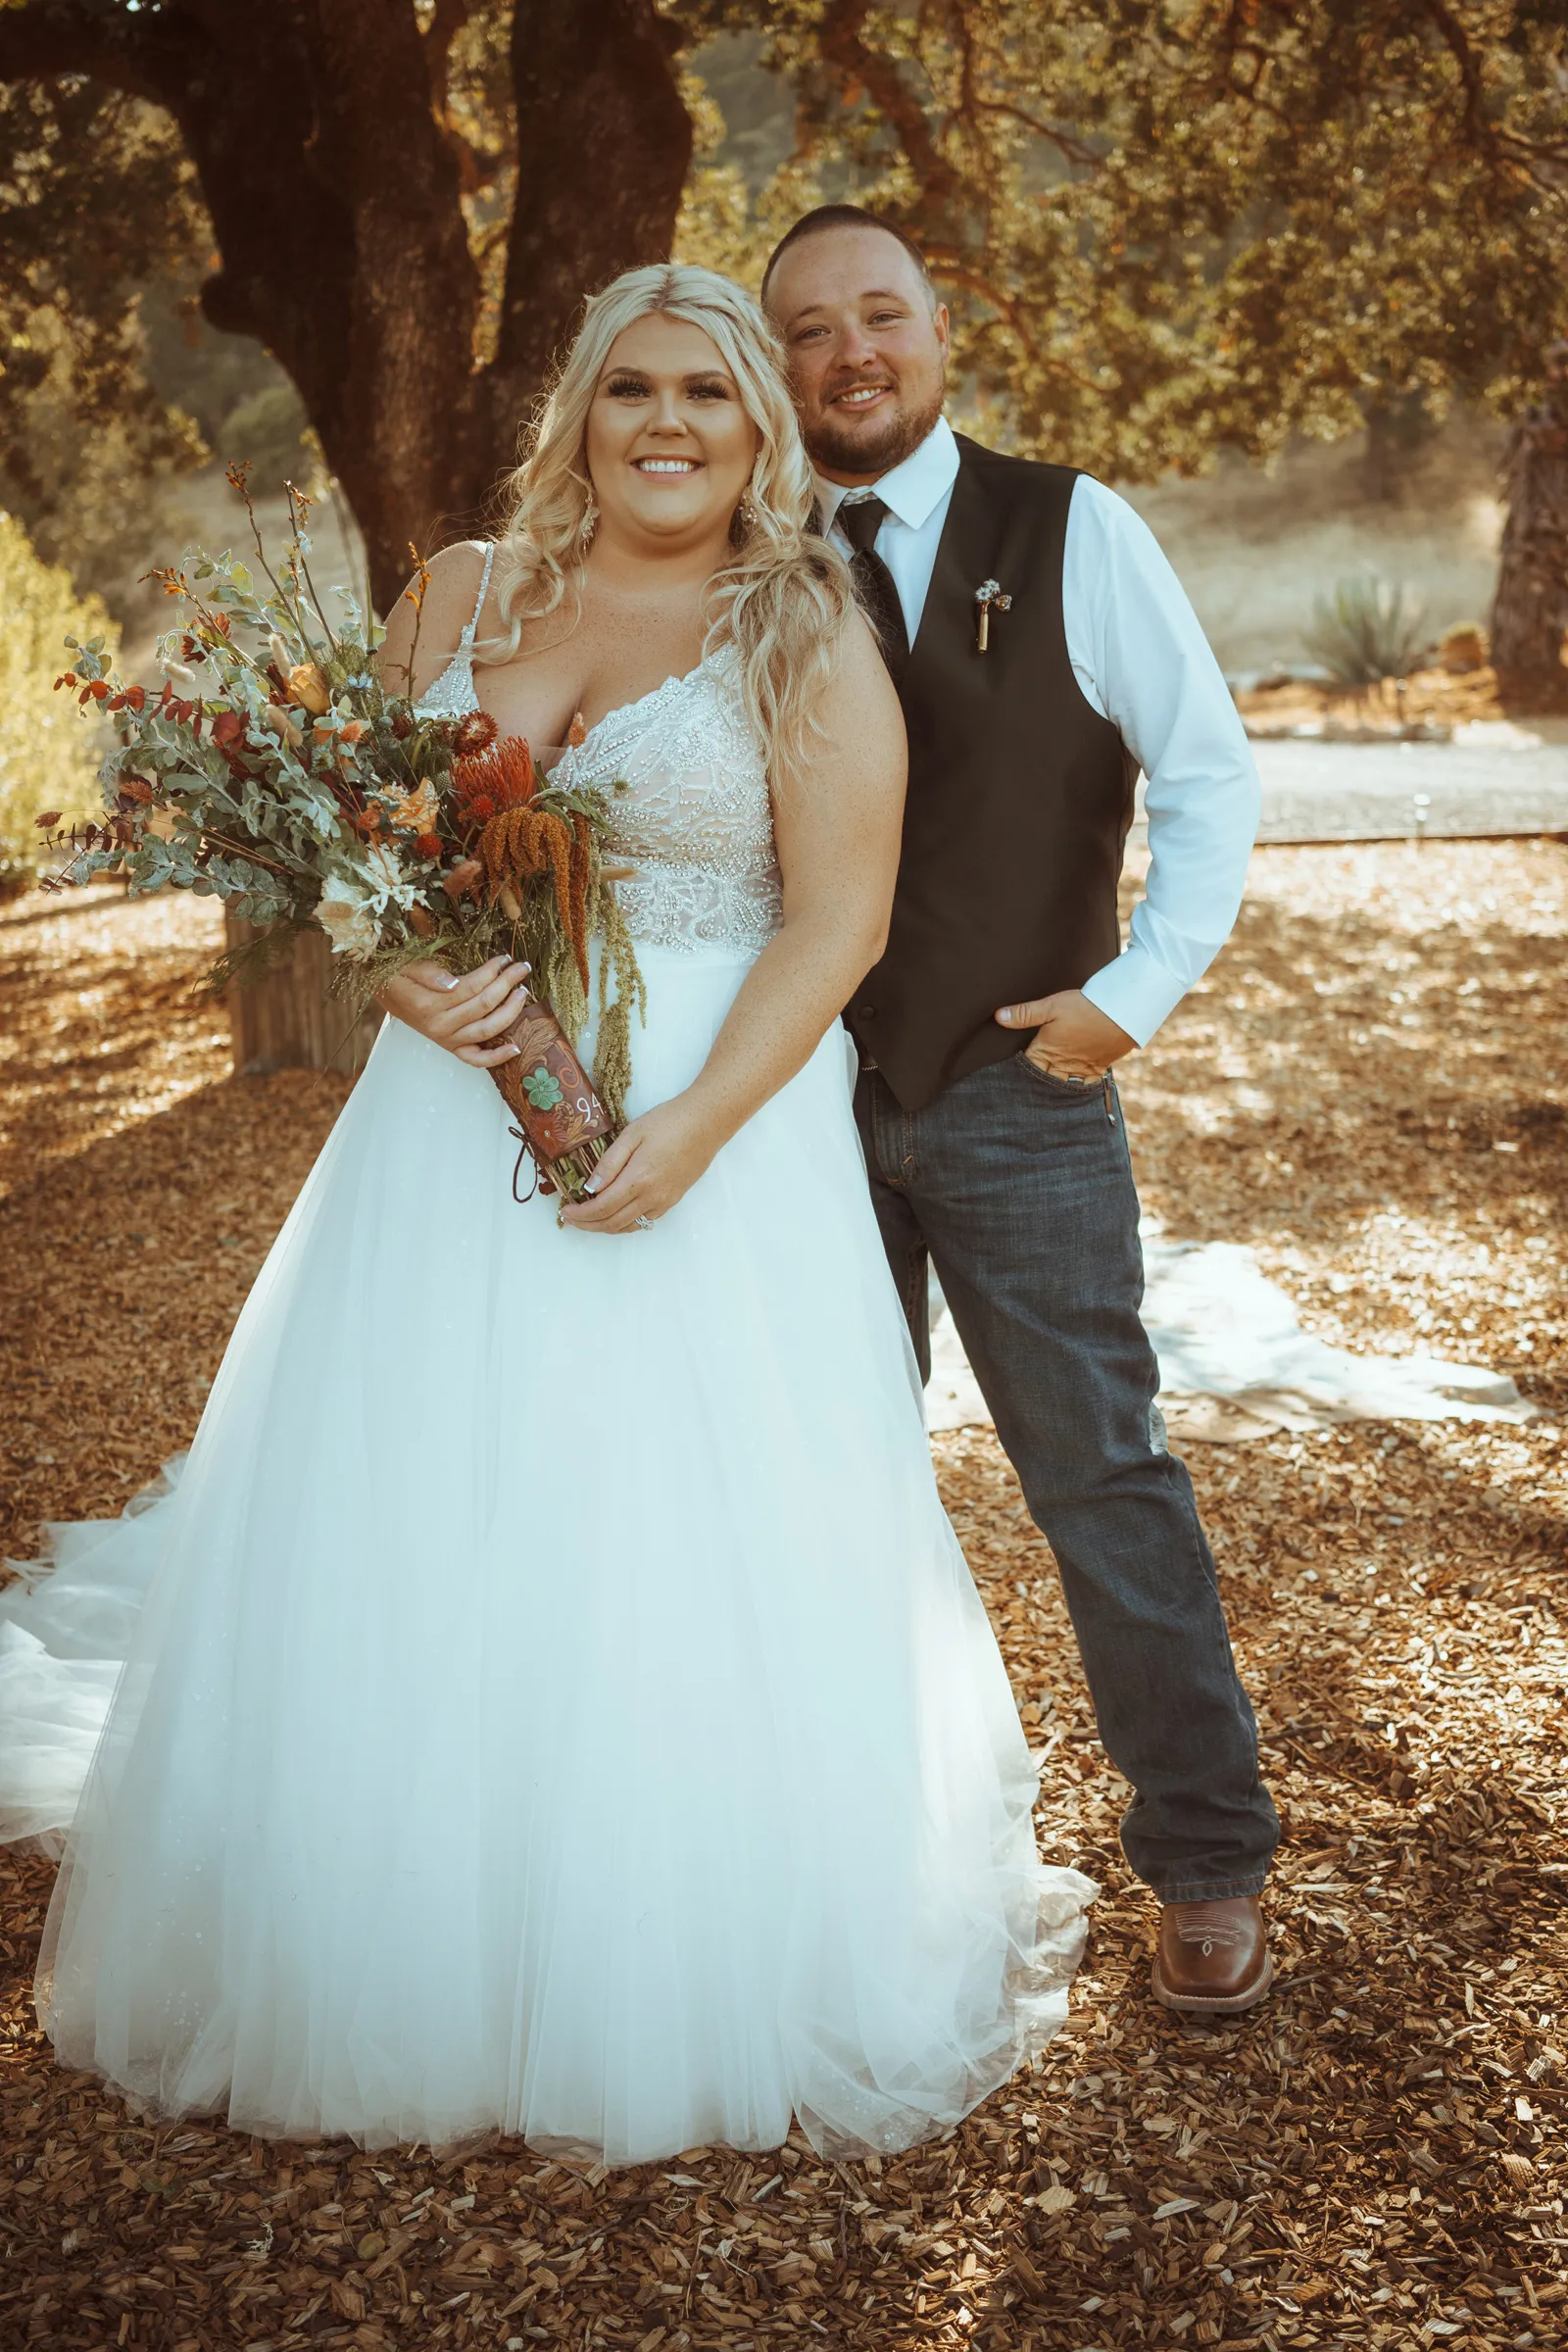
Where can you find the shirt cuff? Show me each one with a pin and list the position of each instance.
(1136, 992)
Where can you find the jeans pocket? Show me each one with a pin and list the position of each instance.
(1067, 1090)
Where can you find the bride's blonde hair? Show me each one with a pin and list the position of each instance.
(785, 595)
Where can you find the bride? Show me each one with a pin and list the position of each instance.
(558, 1704)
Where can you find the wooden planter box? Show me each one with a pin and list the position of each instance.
(288, 1020)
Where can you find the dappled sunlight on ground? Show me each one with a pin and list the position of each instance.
(101, 1025)
(1369, 1091)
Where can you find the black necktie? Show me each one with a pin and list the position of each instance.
(860, 523)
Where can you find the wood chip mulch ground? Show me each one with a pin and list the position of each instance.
(1369, 1091)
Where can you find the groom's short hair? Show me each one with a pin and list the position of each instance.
(844, 215)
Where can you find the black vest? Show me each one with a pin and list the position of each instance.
(1020, 796)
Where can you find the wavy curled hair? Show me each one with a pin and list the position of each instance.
(783, 598)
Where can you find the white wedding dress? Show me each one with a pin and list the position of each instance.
(558, 1706)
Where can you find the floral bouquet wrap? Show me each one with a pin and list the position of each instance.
(276, 770)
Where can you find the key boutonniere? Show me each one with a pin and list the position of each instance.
(988, 594)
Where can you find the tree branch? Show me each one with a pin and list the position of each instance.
(1071, 149)
(951, 269)
(1493, 140)
(968, 109)
(1458, 41)
(842, 45)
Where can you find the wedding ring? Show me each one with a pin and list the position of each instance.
(645, 1224)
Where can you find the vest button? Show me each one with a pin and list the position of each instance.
(865, 1013)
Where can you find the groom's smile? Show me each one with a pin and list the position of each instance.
(862, 396)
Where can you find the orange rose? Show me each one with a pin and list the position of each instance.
(308, 688)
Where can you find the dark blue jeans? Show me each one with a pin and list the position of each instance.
(1018, 1187)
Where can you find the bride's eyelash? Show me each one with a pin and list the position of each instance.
(635, 387)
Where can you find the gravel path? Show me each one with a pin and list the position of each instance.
(1377, 792)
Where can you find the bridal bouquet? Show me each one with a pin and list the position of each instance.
(276, 770)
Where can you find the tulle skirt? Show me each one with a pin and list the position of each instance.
(553, 1699)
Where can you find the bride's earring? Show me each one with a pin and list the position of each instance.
(745, 512)
(589, 523)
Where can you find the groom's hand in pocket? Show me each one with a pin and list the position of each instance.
(1073, 1039)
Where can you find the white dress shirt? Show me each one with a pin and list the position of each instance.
(1142, 661)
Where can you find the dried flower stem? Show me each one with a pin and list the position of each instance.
(240, 848)
(237, 481)
(299, 508)
(414, 594)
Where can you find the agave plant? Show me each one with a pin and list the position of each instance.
(1365, 631)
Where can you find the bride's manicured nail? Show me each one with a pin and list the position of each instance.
(592, 1185)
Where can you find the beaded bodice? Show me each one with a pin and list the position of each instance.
(686, 785)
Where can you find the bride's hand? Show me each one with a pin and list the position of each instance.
(646, 1169)
(462, 1015)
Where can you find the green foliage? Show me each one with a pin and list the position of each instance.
(1365, 631)
(48, 757)
(1169, 226)
(216, 787)
(1164, 226)
(96, 200)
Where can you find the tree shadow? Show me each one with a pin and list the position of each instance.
(123, 1267)
(1329, 1074)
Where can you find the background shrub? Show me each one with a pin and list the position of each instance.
(48, 752)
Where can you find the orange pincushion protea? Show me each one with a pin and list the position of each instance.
(503, 774)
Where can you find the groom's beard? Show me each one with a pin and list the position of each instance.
(845, 450)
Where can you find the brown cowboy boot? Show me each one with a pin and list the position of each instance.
(1213, 1958)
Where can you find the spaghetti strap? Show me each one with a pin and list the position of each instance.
(466, 639)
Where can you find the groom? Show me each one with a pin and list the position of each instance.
(1044, 652)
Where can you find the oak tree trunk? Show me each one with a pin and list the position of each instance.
(334, 192)
(1530, 614)
(336, 199)
(288, 1020)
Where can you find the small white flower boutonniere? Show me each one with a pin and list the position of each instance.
(988, 594)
